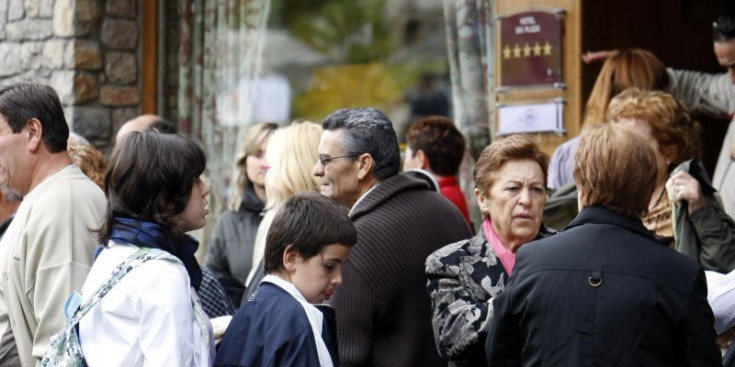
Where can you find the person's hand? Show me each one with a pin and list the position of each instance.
(687, 188)
(594, 56)
(724, 340)
(732, 151)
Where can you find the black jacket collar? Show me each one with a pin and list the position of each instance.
(250, 201)
(385, 190)
(601, 215)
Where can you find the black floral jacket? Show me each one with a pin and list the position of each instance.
(463, 279)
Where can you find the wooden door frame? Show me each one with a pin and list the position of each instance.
(149, 58)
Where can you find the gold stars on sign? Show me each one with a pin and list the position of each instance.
(526, 50)
(536, 49)
(506, 52)
(547, 48)
(517, 52)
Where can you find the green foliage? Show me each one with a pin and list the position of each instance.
(345, 31)
(356, 37)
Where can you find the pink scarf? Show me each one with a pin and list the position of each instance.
(507, 258)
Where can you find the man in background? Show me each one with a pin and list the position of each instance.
(145, 122)
(715, 95)
(434, 144)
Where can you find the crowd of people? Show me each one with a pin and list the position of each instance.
(329, 254)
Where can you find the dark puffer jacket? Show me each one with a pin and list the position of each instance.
(231, 250)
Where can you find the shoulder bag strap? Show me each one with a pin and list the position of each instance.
(139, 257)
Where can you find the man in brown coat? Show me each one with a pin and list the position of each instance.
(383, 310)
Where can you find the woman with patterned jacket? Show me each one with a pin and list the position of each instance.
(464, 277)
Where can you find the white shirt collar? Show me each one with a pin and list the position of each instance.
(315, 317)
(362, 197)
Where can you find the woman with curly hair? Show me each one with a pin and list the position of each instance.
(90, 161)
(697, 226)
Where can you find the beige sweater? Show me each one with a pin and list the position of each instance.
(46, 254)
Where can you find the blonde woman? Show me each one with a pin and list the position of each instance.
(290, 157)
(231, 249)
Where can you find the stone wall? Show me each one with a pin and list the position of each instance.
(88, 50)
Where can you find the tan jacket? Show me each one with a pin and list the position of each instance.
(46, 254)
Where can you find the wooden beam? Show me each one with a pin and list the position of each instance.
(149, 71)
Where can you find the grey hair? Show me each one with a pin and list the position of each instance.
(367, 130)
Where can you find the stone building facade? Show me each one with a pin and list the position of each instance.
(88, 50)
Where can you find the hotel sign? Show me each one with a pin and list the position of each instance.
(530, 49)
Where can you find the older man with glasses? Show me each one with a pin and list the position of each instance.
(383, 310)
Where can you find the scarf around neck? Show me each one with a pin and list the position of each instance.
(507, 257)
(148, 234)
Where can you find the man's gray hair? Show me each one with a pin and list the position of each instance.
(367, 130)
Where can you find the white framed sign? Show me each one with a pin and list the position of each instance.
(531, 118)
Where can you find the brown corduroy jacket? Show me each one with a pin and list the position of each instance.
(383, 310)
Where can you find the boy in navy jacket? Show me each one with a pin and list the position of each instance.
(281, 325)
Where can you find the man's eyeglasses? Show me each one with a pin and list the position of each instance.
(324, 159)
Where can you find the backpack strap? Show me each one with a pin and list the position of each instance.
(200, 316)
(139, 257)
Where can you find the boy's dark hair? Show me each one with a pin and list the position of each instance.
(23, 101)
(150, 177)
(308, 222)
(440, 141)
